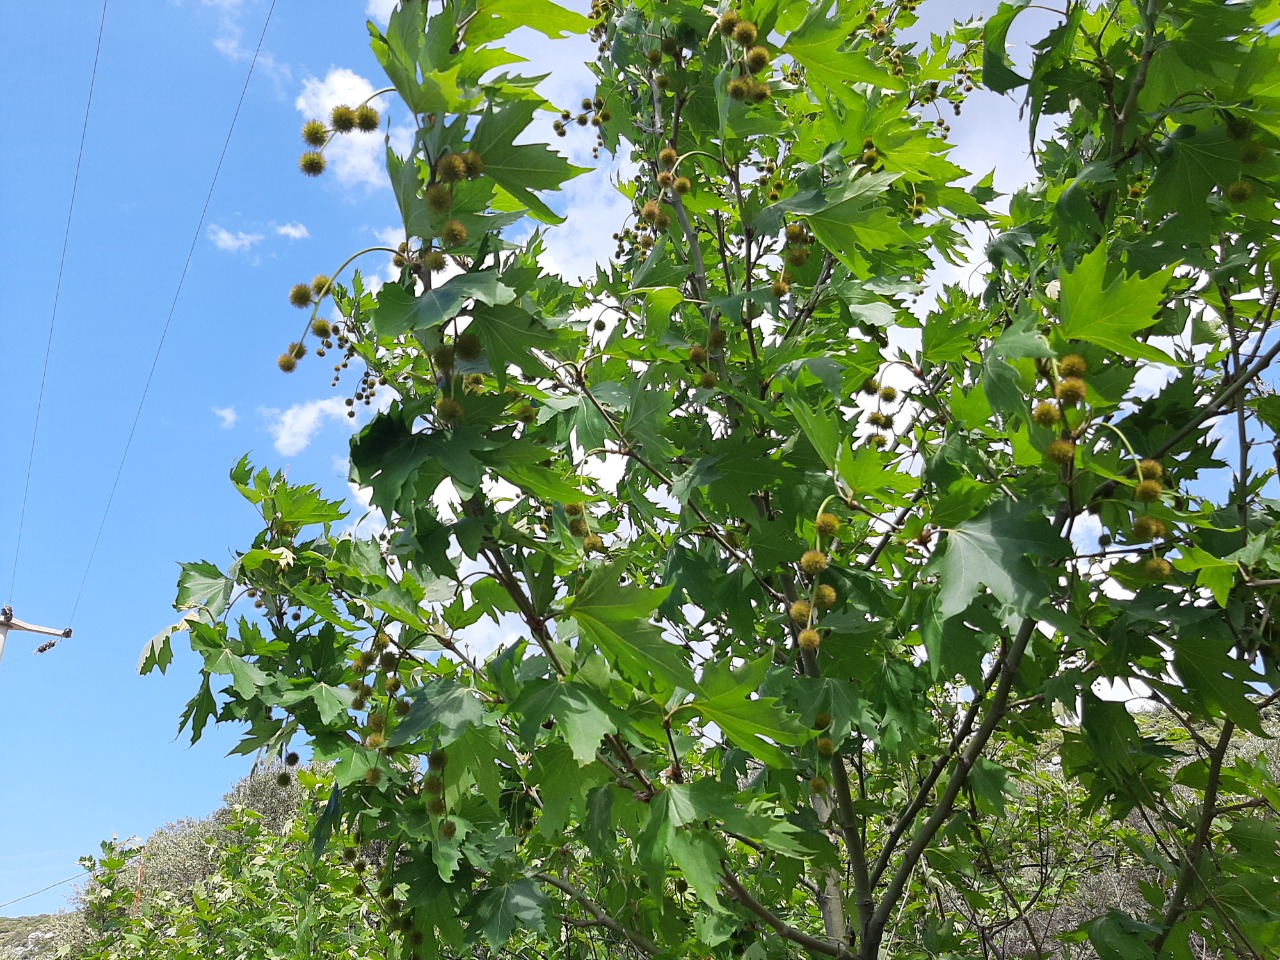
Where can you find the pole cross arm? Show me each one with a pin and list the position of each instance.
(9, 622)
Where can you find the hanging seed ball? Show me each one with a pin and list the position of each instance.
(717, 338)
(728, 22)
(312, 163)
(373, 776)
(320, 327)
(1240, 192)
(320, 284)
(469, 346)
(666, 178)
(451, 168)
(578, 527)
(682, 185)
(473, 163)
(888, 394)
(813, 562)
(593, 543)
(809, 640)
(432, 784)
(826, 747)
(697, 354)
(744, 33)
(650, 211)
(667, 158)
(453, 233)
(374, 741)
(1148, 491)
(436, 806)
(1046, 414)
(287, 363)
(780, 288)
(758, 92)
(449, 410)
(795, 233)
(1157, 568)
(291, 759)
(757, 59)
(800, 611)
(437, 760)
(737, 88)
(448, 829)
(1072, 365)
(283, 779)
(828, 524)
(818, 784)
(798, 256)
(574, 509)
(878, 420)
(1070, 390)
(300, 295)
(315, 133)
(824, 596)
(1061, 452)
(342, 118)
(1150, 470)
(708, 380)
(526, 414)
(439, 198)
(1149, 528)
(435, 260)
(367, 119)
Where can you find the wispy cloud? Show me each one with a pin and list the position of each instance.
(294, 231)
(224, 239)
(229, 39)
(292, 430)
(379, 10)
(227, 415)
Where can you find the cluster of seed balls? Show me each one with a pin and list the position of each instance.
(580, 526)
(750, 59)
(822, 596)
(593, 113)
(1069, 390)
(878, 419)
(342, 119)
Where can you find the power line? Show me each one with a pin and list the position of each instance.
(57, 292)
(28, 896)
(155, 361)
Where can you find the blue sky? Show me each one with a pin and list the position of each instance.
(89, 746)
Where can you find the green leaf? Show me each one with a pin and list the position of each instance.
(158, 653)
(440, 702)
(246, 678)
(698, 856)
(495, 19)
(997, 69)
(817, 46)
(520, 169)
(203, 585)
(399, 311)
(1213, 573)
(1108, 314)
(997, 549)
(756, 724)
(331, 702)
(502, 910)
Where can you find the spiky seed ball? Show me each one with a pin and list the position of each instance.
(822, 721)
(717, 338)
(375, 741)
(757, 59)
(697, 354)
(780, 288)
(526, 414)
(813, 562)
(682, 185)
(809, 640)
(300, 295)
(436, 806)
(758, 92)
(367, 119)
(824, 596)
(1148, 491)
(435, 260)
(321, 328)
(888, 394)
(442, 357)
(373, 776)
(1070, 390)
(1157, 568)
(291, 759)
(662, 221)
(666, 178)
(439, 198)
(1061, 452)
(320, 284)
(798, 256)
(1252, 152)
(667, 158)
(1147, 527)
(795, 233)
(402, 706)
(437, 760)
(708, 380)
(737, 89)
(880, 421)
(1150, 469)
(650, 211)
(828, 524)
(449, 410)
(432, 784)
(448, 829)
(1240, 192)
(574, 509)
(1072, 365)
(315, 133)
(728, 22)
(1046, 414)
(342, 118)
(800, 611)
(312, 163)
(473, 163)
(283, 779)
(453, 233)
(877, 440)
(451, 168)
(469, 346)
(578, 527)
(287, 363)
(593, 543)
(744, 33)
(826, 747)
(818, 784)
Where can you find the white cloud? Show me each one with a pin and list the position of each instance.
(229, 40)
(355, 158)
(294, 231)
(292, 430)
(224, 239)
(379, 10)
(227, 415)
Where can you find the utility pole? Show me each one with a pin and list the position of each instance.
(9, 622)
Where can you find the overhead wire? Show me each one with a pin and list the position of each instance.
(155, 360)
(36, 893)
(57, 294)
